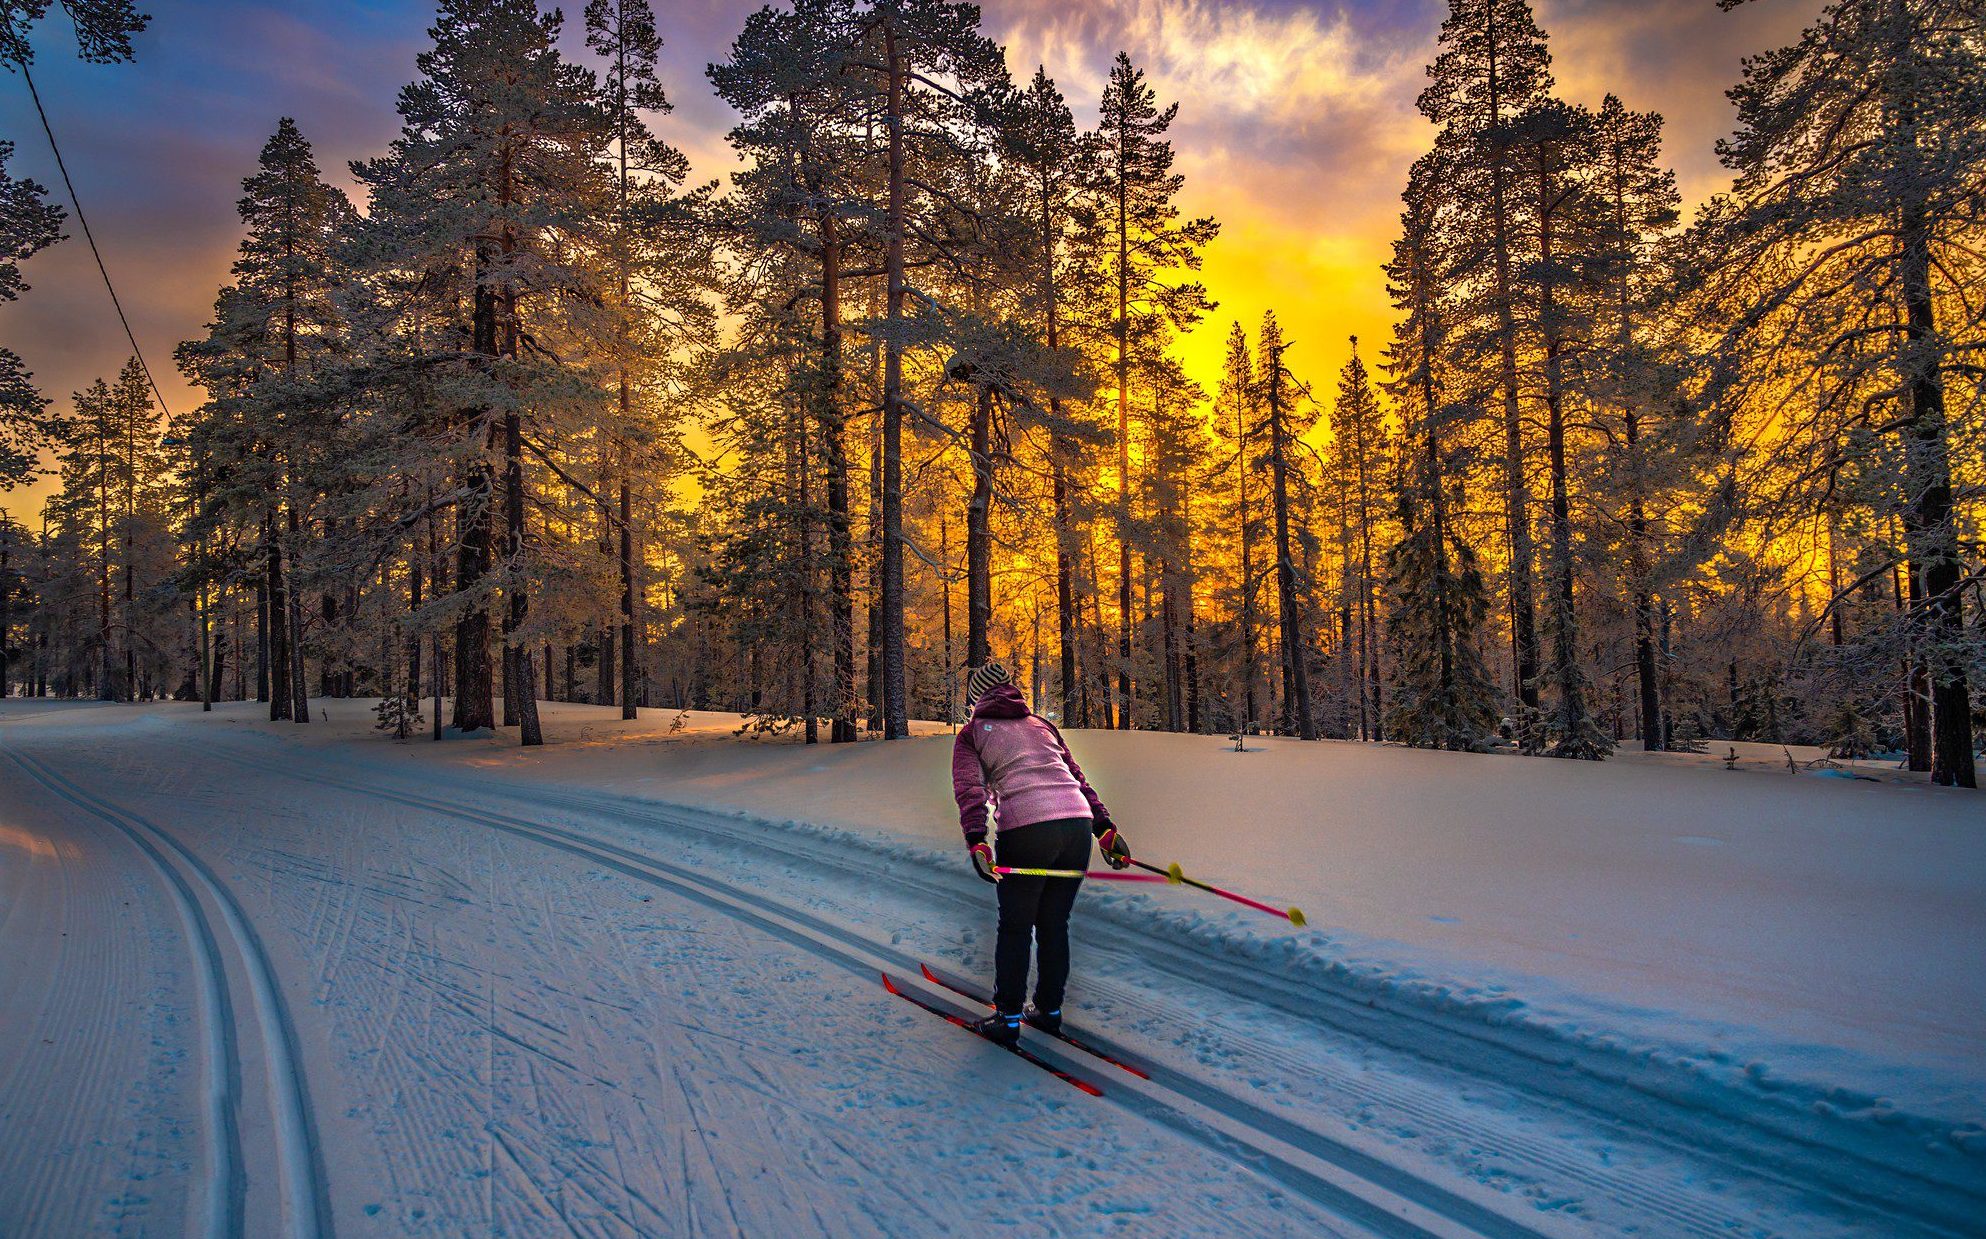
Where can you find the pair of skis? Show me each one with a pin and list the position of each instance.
(1020, 1051)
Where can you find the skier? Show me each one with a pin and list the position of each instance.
(1013, 761)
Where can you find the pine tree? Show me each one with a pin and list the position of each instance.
(497, 173)
(103, 28)
(657, 257)
(28, 225)
(1136, 244)
(1362, 442)
(265, 432)
(1493, 67)
(1442, 696)
(803, 193)
(140, 481)
(1176, 458)
(1044, 148)
(17, 602)
(1837, 260)
(85, 512)
(1280, 395)
(928, 70)
(1636, 204)
(1551, 142)
(1238, 425)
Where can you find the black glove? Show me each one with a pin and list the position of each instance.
(982, 860)
(1116, 851)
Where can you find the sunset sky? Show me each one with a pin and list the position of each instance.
(1296, 128)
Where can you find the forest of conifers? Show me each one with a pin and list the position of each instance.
(541, 415)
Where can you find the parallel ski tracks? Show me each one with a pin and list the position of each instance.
(1361, 1189)
(1651, 1196)
(215, 931)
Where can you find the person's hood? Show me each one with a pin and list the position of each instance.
(1001, 701)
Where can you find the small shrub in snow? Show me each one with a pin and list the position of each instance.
(399, 715)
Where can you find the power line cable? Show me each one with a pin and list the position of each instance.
(89, 236)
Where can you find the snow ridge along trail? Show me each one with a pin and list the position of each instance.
(195, 890)
(1379, 1198)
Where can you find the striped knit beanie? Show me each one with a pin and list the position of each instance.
(982, 678)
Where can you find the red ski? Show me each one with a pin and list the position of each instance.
(1062, 1036)
(889, 983)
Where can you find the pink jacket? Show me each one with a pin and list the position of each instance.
(1015, 760)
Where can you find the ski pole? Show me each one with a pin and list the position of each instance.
(1104, 874)
(1173, 874)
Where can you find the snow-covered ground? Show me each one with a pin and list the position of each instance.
(266, 979)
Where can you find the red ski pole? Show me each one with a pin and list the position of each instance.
(1173, 874)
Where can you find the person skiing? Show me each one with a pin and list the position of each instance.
(1012, 763)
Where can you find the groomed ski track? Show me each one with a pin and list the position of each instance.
(228, 955)
(1346, 1182)
(1274, 1103)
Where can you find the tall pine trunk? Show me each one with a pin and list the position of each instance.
(1573, 722)
(1929, 528)
(520, 678)
(834, 447)
(1296, 673)
(299, 686)
(979, 535)
(896, 714)
(262, 634)
(275, 625)
(475, 707)
(1647, 681)
(1065, 581)
(1517, 494)
(1123, 373)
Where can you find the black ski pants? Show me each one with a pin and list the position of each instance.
(1037, 908)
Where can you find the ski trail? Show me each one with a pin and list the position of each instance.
(99, 1019)
(1381, 1198)
(304, 1205)
(220, 1211)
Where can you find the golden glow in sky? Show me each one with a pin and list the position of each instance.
(1295, 130)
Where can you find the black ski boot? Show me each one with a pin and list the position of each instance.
(1049, 1022)
(1000, 1027)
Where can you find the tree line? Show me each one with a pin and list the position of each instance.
(551, 419)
